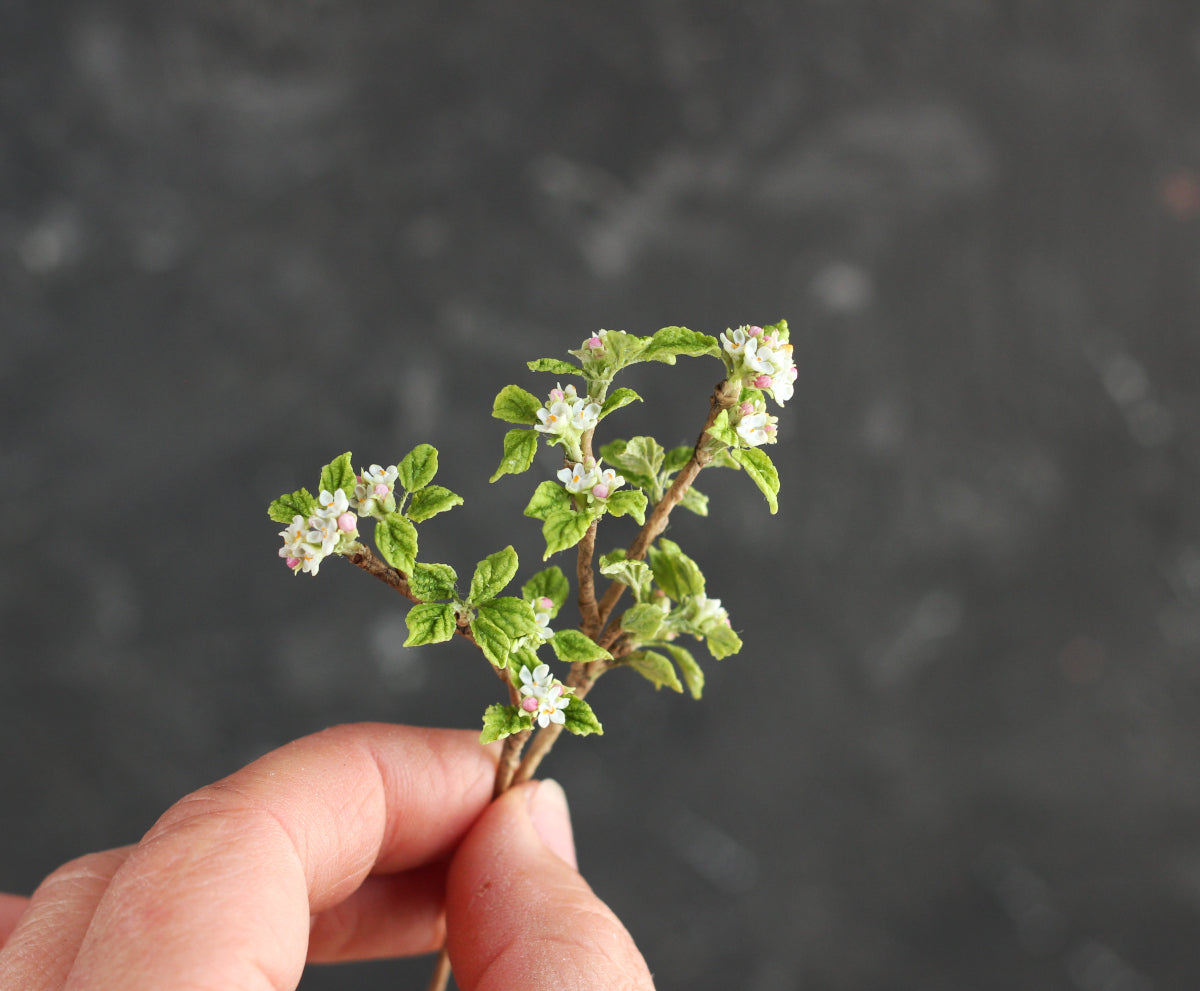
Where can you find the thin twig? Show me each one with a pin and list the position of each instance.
(588, 612)
(441, 972)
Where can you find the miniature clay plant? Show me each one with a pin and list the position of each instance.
(637, 477)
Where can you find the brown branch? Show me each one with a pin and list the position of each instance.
(724, 396)
(586, 578)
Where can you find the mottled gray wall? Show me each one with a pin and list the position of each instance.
(961, 749)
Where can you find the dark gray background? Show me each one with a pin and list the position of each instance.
(960, 749)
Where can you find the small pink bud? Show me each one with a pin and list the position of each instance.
(747, 408)
(293, 562)
(595, 343)
(529, 703)
(600, 491)
(347, 523)
(556, 394)
(545, 604)
(763, 382)
(358, 478)
(770, 429)
(381, 490)
(755, 331)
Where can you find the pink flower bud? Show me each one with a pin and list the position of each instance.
(293, 562)
(763, 382)
(381, 490)
(595, 343)
(770, 428)
(755, 331)
(347, 523)
(600, 491)
(545, 604)
(746, 408)
(556, 394)
(529, 703)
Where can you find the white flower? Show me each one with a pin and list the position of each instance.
(704, 613)
(301, 551)
(584, 415)
(734, 342)
(555, 418)
(543, 623)
(580, 478)
(550, 707)
(536, 682)
(757, 428)
(374, 492)
(547, 692)
(333, 504)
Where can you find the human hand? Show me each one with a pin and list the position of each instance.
(361, 841)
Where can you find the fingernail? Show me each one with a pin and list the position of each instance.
(552, 818)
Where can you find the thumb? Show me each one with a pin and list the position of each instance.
(519, 915)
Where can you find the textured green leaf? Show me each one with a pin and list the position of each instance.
(564, 528)
(338, 474)
(548, 497)
(693, 677)
(617, 399)
(676, 573)
(492, 574)
(721, 641)
(432, 581)
(695, 501)
(668, 343)
(676, 458)
(430, 622)
(516, 405)
(521, 657)
(722, 431)
(512, 615)
(551, 584)
(635, 574)
(642, 456)
(572, 646)
(761, 469)
(493, 641)
(613, 452)
(520, 446)
(555, 365)
(630, 502)
(396, 539)
(655, 668)
(500, 721)
(430, 501)
(580, 720)
(417, 467)
(293, 504)
(642, 621)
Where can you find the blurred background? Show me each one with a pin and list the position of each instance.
(960, 748)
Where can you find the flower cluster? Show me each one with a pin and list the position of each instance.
(544, 696)
(328, 530)
(760, 359)
(566, 417)
(585, 478)
(374, 492)
(542, 610)
(754, 425)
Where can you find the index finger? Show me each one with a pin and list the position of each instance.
(220, 892)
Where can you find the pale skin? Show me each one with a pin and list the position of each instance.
(362, 841)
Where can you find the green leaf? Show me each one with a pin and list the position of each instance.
(551, 584)
(572, 646)
(722, 431)
(642, 621)
(432, 581)
(520, 446)
(556, 365)
(396, 539)
(338, 474)
(628, 501)
(762, 472)
(638, 458)
(430, 622)
(579, 718)
(493, 641)
(613, 452)
(430, 501)
(654, 668)
(512, 615)
(492, 574)
(695, 501)
(693, 677)
(500, 721)
(549, 497)
(676, 458)
(293, 504)
(635, 574)
(722, 641)
(521, 657)
(515, 405)
(780, 328)
(676, 573)
(564, 528)
(619, 398)
(418, 467)
(669, 342)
